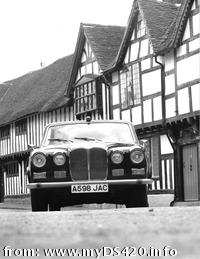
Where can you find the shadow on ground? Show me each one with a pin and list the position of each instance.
(24, 203)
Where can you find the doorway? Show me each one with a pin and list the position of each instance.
(190, 173)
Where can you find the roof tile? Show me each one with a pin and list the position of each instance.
(39, 91)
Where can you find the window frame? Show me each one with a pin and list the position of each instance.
(128, 86)
(21, 127)
(87, 93)
(5, 132)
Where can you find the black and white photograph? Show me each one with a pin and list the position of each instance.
(100, 129)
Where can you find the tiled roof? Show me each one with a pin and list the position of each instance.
(38, 91)
(165, 21)
(162, 20)
(105, 42)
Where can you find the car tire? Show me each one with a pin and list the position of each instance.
(39, 201)
(139, 198)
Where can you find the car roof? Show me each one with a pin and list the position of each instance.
(86, 122)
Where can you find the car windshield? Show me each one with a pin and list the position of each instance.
(106, 132)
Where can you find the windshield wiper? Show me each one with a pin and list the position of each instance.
(88, 139)
(60, 140)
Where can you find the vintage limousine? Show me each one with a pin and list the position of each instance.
(88, 162)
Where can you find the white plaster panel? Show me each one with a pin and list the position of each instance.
(83, 70)
(133, 35)
(181, 50)
(170, 107)
(115, 94)
(169, 84)
(194, 44)
(115, 77)
(144, 48)
(126, 115)
(183, 101)
(95, 68)
(146, 64)
(169, 61)
(188, 69)
(137, 115)
(147, 111)
(196, 23)
(151, 82)
(195, 97)
(89, 68)
(166, 147)
(126, 60)
(155, 64)
(151, 48)
(83, 59)
(186, 34)
(116, 114)
(134, 51)
(157, 108)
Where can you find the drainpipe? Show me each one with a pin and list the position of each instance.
(162, 66)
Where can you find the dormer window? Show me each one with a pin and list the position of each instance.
(87, 94)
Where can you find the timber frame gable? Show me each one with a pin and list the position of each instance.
(97, 46)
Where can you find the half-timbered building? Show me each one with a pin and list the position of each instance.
(96, 49)
(147, 73)
(27, 104)
(156, 84)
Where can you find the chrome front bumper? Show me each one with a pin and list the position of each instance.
(68, 184)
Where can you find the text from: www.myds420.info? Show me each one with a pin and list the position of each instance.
(141, 251)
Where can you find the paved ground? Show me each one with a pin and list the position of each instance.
(153, 231)
(25, 204)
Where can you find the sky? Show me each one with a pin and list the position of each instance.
(35, 31)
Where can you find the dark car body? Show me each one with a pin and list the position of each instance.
(88, 162)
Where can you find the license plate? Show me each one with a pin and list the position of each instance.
(89, 188)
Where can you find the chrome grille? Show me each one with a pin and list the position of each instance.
(98, 164)
(88, 164)
(78, 164)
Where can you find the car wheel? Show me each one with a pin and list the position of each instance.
(139, 198)
(39, 200)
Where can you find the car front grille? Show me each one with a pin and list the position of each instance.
(88, 164)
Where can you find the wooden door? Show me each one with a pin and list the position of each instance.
(190, 173)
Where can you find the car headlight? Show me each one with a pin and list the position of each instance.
(137, 156)
(39, 160)
(117, 157)
(59, 159)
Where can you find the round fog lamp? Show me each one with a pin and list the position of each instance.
(117, 157)
(39, 160)
(59, 159)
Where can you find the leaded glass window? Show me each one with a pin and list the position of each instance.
(85, 97)
(130, 86)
